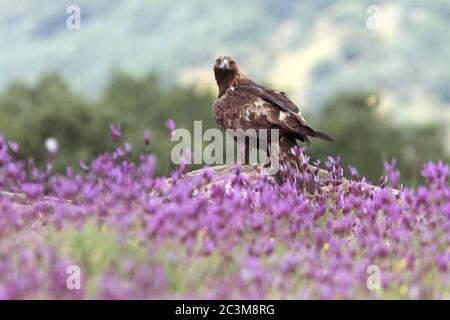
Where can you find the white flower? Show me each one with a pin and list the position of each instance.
(52, 145)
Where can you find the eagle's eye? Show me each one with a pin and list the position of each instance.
(232, 63)
(217, 61)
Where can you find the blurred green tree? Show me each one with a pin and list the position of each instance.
(30, 114)
(365, 138)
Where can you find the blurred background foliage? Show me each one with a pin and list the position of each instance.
(29, 114)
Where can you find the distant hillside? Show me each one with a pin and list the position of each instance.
(312, 49)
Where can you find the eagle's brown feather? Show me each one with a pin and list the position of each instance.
(243, 104)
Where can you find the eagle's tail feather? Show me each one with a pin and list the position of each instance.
(307, 131)
(323, 136)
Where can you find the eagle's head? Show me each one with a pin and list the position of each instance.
(226, 65)
(227, 73)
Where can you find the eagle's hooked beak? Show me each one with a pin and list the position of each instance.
(224, 64)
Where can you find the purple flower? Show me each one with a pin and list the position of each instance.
(443, 262)
(147, 136)
(128, 148)
(170, 124)
(84, 166)
(422, 196)
(392, 173)
(436, 173)
(116, 132)
(4, 155)
(354, 173)
(447, 210)
(33, 190)
(14, 146)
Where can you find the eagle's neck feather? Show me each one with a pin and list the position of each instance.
(234, 80)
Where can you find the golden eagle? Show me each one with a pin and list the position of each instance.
(244, 104)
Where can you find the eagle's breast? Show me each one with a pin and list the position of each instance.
(239, 110)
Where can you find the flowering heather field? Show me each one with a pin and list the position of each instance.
(135, 237)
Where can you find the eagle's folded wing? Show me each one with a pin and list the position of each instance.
(277, 98)
(266, 108)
